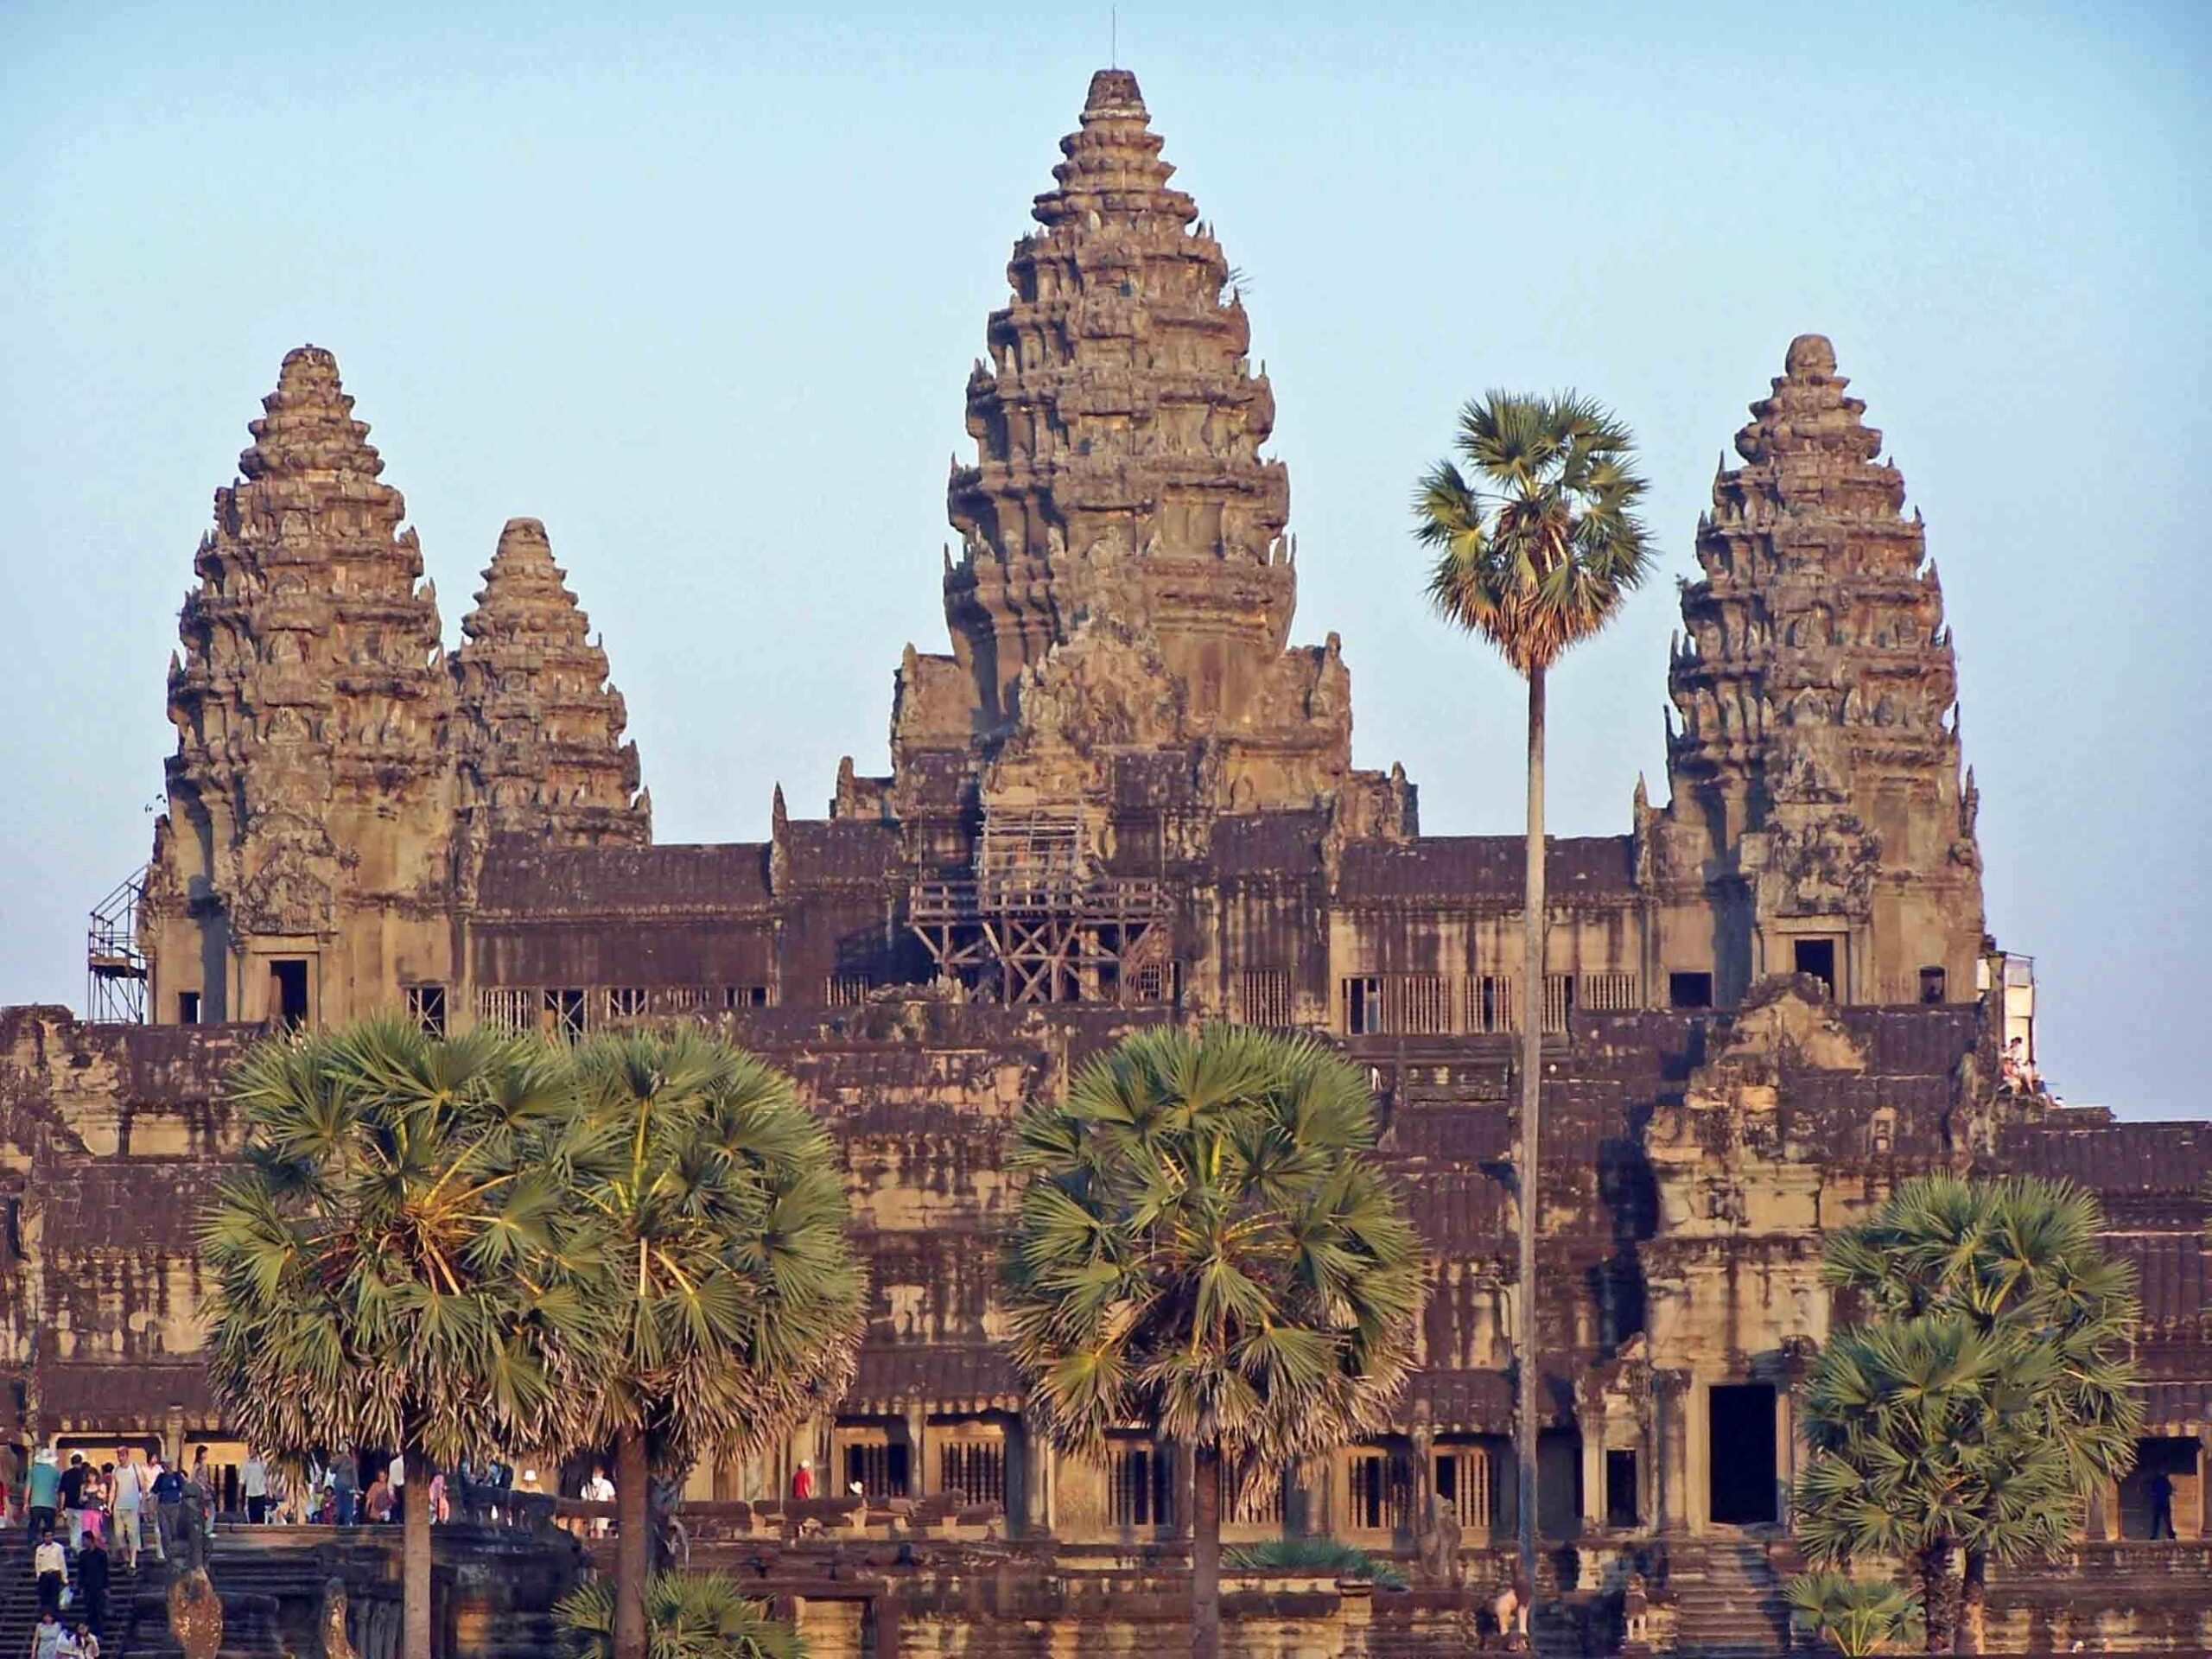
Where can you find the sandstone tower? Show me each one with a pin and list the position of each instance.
(1818, 806)
(1125, 581)
(538, 737)
(301, 872)
(1120, 677)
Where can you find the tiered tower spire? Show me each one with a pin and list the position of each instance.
(309, 704)
(540, 733)
(1119, 426)
(1818, 757)
(1124, 582)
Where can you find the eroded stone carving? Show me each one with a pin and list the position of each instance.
(537, 734)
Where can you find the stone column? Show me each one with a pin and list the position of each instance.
(1670, 1396)
(921, 1479)
(1792, 1451)
(1590, 1423)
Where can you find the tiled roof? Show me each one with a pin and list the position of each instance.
(820, 852)
(975, 1378)
(554, 881)
(1486, 867)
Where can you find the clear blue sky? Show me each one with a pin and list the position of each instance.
(702, 292)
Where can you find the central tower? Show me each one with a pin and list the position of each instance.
(1119, 427)
(1120, 676)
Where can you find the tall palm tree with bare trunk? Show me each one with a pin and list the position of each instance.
(1537, 545)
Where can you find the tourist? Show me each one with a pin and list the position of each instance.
(92, 1582)
(150, 1507)
(169, 1504)
(803, 1482)
(73, 1498)
(46, 1640)
(52, 1567)
(598, 1490)
(127, 1501)
(441, 1508)
(87, 1640)
(43, 1493)
(253, 1487)
(2161, 1488)
(379, 1500)
(344, 1489)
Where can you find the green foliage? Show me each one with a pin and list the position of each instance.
(1203, 1245)
(1989, 1395)
(707, 1216)
(1315, 1555)
(1854, 1617)
(1537, 539)
(373, 1261)
(688, 1616)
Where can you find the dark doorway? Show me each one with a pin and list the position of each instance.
(1559, 1483)
(1817, 957)
(1689, 990)
(2166, 1467)
(188, 1007)
(1931, 985)
(1620, 1490)
(1741, 1450)
(288, 977)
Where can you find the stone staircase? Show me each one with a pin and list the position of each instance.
(1727, 1601)
(19, 1595)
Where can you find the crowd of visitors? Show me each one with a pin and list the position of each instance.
(81, 1512)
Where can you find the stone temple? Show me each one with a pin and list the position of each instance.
(1124, 794)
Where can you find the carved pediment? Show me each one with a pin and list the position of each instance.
(288, 893)
(1824, 867)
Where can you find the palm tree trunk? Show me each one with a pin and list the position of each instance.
(415, 1556)
(1532, 1068)
(632, 1547)
(1205, 1552)
(1973, 1602)
(1938, 1587)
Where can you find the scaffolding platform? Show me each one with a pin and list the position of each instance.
(115, 967)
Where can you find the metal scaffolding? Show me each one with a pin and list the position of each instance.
(115, 967)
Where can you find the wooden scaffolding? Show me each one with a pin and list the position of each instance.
(1033, 923)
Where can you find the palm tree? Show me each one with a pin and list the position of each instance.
(372, 1260)
(1906, 1420)
(2019, 1261)
(688, 1616)
(1857, 1617)
(1537, 546)
(1203, 1245)
(733, 1298)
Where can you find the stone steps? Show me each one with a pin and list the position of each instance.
(1728, 1603)
(19, 1592)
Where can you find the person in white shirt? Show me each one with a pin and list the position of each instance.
(129, 1504)
(51, 1565)
(600, 1489)
(253, 1486)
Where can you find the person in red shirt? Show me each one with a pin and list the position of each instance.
(803, 1481)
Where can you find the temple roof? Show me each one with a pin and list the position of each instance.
(1491, 867)
(532, 880)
